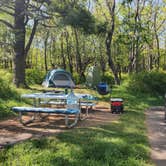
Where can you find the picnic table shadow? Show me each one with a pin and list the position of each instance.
(12, 129)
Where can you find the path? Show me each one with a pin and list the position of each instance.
(157, 135)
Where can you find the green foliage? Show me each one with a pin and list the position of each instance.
(108, 78)
(120, 143)
(101, 27)
(9, 97)
(6, 92)
(79, 17)
(34, 76)
(76, 78)
(7, 76)
(148, 82)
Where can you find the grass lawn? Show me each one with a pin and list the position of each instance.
(122, 143)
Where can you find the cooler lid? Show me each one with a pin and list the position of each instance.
(116, 99)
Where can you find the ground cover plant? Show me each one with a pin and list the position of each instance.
(121, 143)
(10, 96)
(124, 39)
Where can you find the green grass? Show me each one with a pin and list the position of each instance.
(122, 143)
(9, 101)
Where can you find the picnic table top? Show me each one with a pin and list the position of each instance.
(55, 96)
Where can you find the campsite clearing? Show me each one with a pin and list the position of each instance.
(11, 131)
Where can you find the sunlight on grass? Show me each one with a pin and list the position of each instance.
(121, 143)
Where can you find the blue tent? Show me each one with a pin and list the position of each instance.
(58, 78)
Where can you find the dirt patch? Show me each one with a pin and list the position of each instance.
(157, 134)
(11, 131)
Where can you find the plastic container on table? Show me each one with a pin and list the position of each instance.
(72, 101)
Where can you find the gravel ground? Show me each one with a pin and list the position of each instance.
(157, 135)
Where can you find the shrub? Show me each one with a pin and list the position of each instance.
(34, 76)
(148, 82)
(6, 92)
(76, 78)
(6, 75)
(108, 78)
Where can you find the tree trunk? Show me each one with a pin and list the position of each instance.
(136, 34)
(78, 57)
(19, 44)
(45, 51)
(110, 61)
(165, 56)
(62, 52)
(150, 64)
(158, 50)
(68, 52)
(102, 61)
(157, 41)
(108, 40)
(11, 64)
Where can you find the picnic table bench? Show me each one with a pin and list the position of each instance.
(35, 110)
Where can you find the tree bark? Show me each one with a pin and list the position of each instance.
(78, 57)
(21, 14)
(102, 60)
(45, 51)
(62, 53)
(136, 34)
(150, 65)
(157, 39)
(108, 40)
(19, 44)
(68, 52)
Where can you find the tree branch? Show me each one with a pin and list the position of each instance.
(7, 5)
(5, 44)
(49, 26)
(163, 21)
(7, 24)
(7, 12)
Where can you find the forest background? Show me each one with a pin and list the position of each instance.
(122, 36)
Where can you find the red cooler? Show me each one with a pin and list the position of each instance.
(116, 105)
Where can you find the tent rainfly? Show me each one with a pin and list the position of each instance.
(93, 77)
(58, 78)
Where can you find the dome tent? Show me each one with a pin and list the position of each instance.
(58, 78)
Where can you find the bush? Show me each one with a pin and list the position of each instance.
(148, 82)
(108, 78)
(6, 75)
(77, 80)
(34, 76)
(6, 92)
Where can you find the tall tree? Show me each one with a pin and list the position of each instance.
(22, 12)
(109, 35)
